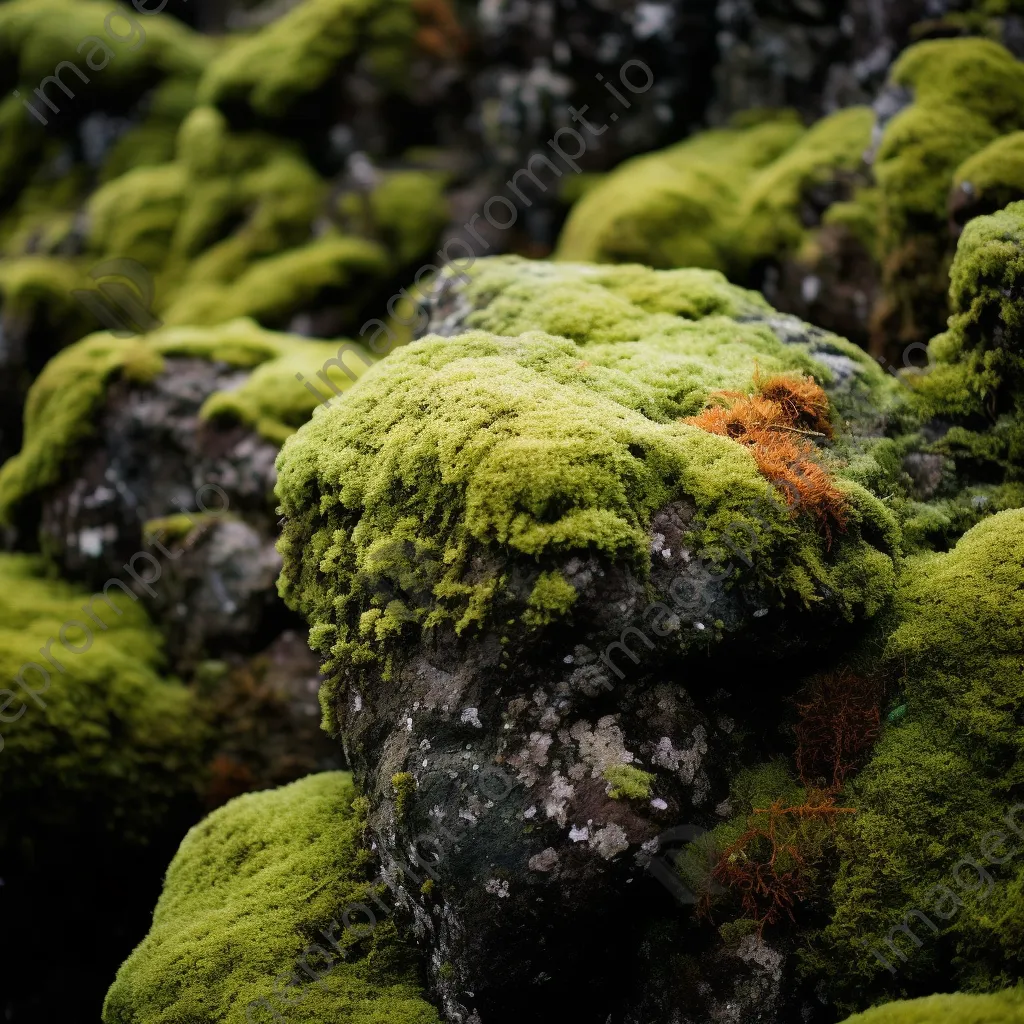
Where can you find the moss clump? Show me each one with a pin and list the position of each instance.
(977, 366)
(967, 93)
(404, 785)
(259, 888)
(551, 598)
(455, 467)
(628, 783)
(106, 742)
(61, 406)
(939, 782)
(723, 199)
(272, 70)
(994, 176)
(227, 227)
(957, 1008)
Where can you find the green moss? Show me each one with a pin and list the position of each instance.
(995, 174)
(771, 216)
(974, 369)
(678, 207)
(108, 742)
(404, 785)
(61, 406)
(551, 598)
(958, 1008)
(457, 463)
(276, 67)
(409, 211)
(967, 93)
(938, 782)
(628, 783)
(244, 904)
(723, 199)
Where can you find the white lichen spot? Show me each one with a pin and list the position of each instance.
(471, 716)
(610, 841)
(546, 860)
(497, 888)
(530, 813)
(560, 793)
(603, 747)
(579, 835)
(658, 804)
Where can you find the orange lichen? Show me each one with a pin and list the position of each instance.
(778, 424)
(840, 718)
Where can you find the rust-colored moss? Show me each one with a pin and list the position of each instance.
(779, 423)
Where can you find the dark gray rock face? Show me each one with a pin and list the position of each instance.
(819, 55)
(490, 765)
(211, 587)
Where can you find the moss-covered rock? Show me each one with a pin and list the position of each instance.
(64, 402)
(472, 533)
(94, 736)
(958, 1008)
(274, 69)
(723, 199)
(910, 912)
(624, 365)
(255, 894)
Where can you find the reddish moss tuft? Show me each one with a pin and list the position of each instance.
(777, 423)
(840, 718)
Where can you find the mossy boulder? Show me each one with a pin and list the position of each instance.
(724, 199)
(972, 390)
(958, 1008)
(929, 886)
(287, 62)
(94, 736)
(478, 527)
(122, 433)
(248, 926)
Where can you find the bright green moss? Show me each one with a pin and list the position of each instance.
(456, 463)
(278, 66)
(976, 75)
(687, 320)
(937, 783)
(958, 1008)
(110, 743)
(770, 221)
(920, 151)
(245, 902)
(36, 35)
(678, 207)
(61, 406)
(628, 783)
(41, 286)
(722, 199)
(404, 785)
(408, 210)
(995, 174)
(272, 288)
(551, 598)
(976, 367)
